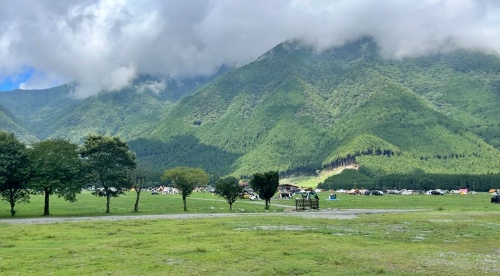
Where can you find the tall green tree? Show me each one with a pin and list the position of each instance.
(427, 184)
(57, 169)
(186, 179)
(15, 171)
(265, 184)
(108, 161)
(229, 189)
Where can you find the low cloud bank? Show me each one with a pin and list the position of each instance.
(104, 45)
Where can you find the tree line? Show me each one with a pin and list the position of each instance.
(59, 167)
(416, 181)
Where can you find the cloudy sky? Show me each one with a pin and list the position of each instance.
(105, 44)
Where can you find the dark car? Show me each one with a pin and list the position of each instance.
(377, 193)
(495, 199)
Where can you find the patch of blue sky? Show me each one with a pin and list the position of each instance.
(9, 83)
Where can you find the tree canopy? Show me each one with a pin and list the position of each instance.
(15, 171)
(265, 184)
(186, 179)
(57, 169)
(108, 162)
(229, 189)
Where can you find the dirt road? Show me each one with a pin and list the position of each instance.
(328, 214)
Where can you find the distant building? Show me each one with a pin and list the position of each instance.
(287, 187)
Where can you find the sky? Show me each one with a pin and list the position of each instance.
(105, 44)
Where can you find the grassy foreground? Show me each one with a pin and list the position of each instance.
(453, 235)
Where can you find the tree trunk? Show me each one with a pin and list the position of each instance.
(136, 206)
(267, 203)
(12, 211)
(184, 201)
(46, 206)
(107, 203)
(230, 206)
(12, 201)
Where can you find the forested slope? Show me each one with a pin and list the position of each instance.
(129, 113)
(295, 109)
(10, 124)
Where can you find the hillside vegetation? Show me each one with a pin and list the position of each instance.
(9, 123)
(129, 113)
(298, 111)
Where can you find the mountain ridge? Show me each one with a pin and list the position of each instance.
(298, 110)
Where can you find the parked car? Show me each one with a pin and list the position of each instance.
(436, 192)
(495, 199)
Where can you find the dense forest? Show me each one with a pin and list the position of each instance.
(354, 179)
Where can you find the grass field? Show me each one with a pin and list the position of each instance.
(448, 235)
(88, 205)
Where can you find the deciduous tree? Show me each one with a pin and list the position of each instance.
(139, 176)
(186, 179)
(229, 189)
(57, 169)
(108, 161)
(15, 171)
(266, 185)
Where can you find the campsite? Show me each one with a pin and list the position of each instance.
(222, 137)
(439, 235)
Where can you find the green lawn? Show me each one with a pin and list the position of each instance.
(88, 205)
(449, 235)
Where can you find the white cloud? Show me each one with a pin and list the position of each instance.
(105, 44)
(153, 86)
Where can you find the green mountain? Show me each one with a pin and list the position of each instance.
(10, 124)
(298, 110)
(39, 110)
(129, 113)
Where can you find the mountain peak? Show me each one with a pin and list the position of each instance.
(298, 108)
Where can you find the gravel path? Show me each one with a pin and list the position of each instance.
(328, 214)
